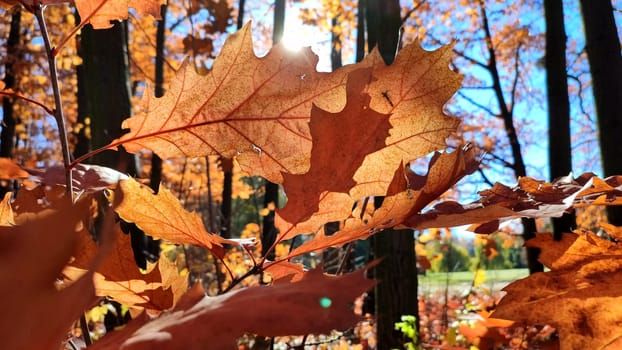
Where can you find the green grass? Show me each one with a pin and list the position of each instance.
(437, 279)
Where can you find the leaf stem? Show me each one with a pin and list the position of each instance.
(14, 94)
(58, 110)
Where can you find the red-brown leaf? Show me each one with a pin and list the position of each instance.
(219, 321)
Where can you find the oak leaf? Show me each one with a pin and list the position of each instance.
(409, 193)
(162, 216)
(114, 10)
(580, 296)
(340, 145)
(256, 109)
(32, 255)
(315, 304)
(529, 198)
(156, 289)
(411, 92)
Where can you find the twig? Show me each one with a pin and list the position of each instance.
(14, 94)
(58, 111)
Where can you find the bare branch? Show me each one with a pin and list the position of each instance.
(478, 105)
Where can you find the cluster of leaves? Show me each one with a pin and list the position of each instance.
(331, 140)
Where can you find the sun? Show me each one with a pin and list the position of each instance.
(298, 35)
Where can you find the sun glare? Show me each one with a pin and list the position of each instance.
(298, 35)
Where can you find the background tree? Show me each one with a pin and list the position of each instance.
(271, 195)
(108, 98)
(603, 52)
(560, 158)
(13, 49)
(396, 294)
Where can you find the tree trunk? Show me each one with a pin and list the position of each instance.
(7, 136)
(107, 90)
(560, 152)
(269, 232)
(507, 115)
(155, 177)
(396, 294)
(603, 53)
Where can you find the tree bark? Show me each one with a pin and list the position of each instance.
(107, 97)
(603, 53)
(396, 294)
(560, 152)
(9, 121)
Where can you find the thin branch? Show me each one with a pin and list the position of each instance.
(486, 179)
(11, 93)
(58, 111)
(505, 162)
(478, 105)
(580, 95)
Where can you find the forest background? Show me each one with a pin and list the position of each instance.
(503, 105)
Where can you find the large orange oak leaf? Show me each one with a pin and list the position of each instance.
(35, 313)
(409, 193)
(315, 304)
(580, 296)
(413, 91)
(162, 216)
(256, 109)
(156, 289)
(341, 141)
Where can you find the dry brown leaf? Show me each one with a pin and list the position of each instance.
(7, 217)
(85, 177)
(10, 170)
(256, 109)
(413, 90)
(35, 314)
(163, 217)
(284, 271)
(340, 145)
(114, 10)
(581, 296)
(118, 277)
(409, 194)
(218, 321)
(530, 198)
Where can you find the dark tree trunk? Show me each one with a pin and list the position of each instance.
(335, 47)
(603, 53)
(507, 115)
(107, 90)
(396, 294)
(7, 136)
(361, 25)
(560, 152)
(155, 177)
(269, 232)
(227, 166)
